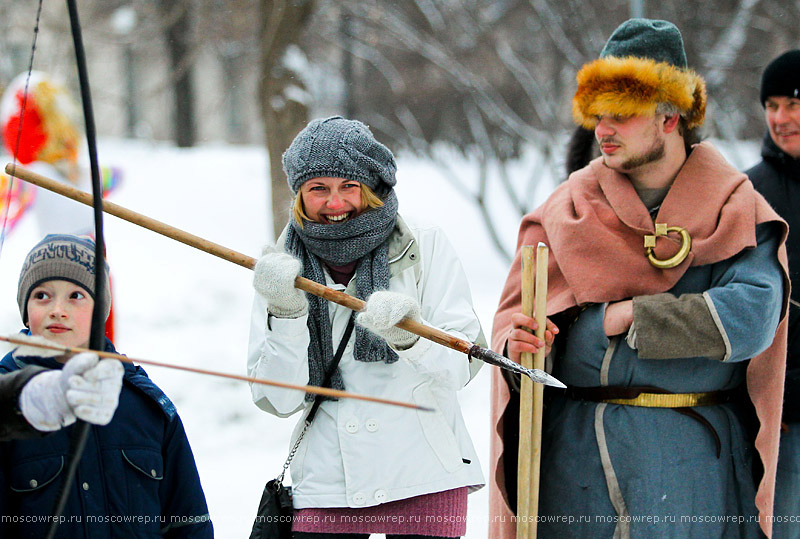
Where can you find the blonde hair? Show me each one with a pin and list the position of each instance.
(369, 200)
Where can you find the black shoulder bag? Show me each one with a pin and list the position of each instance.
(275, 510)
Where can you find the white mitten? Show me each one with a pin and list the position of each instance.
(43, 401)
(94, 395)
(383, 310)
(274, 277)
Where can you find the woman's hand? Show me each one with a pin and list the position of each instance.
(521, 338)
(618, 318)
(274, 277)
(383, 310)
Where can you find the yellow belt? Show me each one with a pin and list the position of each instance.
(671, 400)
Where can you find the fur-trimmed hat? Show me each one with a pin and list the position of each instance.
(642, 65)
(339, 148)
(782, 77)
(60, 257)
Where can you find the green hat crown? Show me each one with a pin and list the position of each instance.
(646, 38)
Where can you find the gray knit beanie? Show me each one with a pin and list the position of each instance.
(339, 148)
(60, 257)
(647, 38)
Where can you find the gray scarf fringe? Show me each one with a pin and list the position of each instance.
(363, 238)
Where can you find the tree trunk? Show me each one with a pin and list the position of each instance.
(178, 47)
(283, 109)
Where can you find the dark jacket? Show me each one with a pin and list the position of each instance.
(13, 425)
(777, 177)
(137, 476)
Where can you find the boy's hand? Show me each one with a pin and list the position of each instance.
(274, 277)
(383, 310)
(43, 401)
(85, 387)
(93, 392)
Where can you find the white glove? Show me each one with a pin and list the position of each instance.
(383, 310)
(274, 277)
(84, 387)
(94, 395)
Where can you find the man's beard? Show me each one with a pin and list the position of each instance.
(655, 153)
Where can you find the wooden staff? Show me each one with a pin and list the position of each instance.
(524, 461)
(542, 254)
(433, 334)
(531, 395)
(324, 391)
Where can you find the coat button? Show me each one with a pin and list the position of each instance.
(351, 426)
(380, 495)
(34, 483)
(85, 486)
(372, 425)
(153, 473)
(359, 498)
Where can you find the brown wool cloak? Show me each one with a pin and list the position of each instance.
(594, 224)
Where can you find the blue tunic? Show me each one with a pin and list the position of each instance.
(651, 472)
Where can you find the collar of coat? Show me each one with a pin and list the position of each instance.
(595, 225)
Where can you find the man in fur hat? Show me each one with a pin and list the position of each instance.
(668, 291)
(777, 177)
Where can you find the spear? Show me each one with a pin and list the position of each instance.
(27, 340)
(434, 334)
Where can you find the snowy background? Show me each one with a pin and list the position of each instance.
(176, 304)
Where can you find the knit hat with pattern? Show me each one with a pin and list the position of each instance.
(642, 65)
(339, 148)
(60, 257)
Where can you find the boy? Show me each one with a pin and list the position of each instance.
(137, 476)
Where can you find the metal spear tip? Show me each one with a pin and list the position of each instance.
(493, 358)
(543, 378)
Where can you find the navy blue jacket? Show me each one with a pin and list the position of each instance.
(777, 177)
(137, 476)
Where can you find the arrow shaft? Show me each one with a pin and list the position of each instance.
(324, 391)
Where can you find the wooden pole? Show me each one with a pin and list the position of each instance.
(324, 391)
(542, 255)
(524, 471)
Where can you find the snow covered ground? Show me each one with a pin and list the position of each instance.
(176, 304)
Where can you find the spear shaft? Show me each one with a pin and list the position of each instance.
(434, 334)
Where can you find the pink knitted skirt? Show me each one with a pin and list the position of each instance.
(441, 514)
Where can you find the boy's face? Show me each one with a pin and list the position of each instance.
(61, 311)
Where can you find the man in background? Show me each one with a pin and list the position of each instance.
(777, 177)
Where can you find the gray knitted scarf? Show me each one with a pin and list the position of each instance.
(363, 238)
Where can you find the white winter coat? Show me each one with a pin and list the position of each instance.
(358, 453)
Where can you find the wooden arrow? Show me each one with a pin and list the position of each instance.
(25, 340)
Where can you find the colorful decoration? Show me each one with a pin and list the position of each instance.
(112, 177)
(15, 197)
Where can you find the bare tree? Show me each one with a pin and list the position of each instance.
(494, 78)
(178, 40)
(282, 94)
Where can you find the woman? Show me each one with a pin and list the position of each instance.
(362, 467)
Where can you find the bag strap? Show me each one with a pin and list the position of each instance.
(317, 399)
